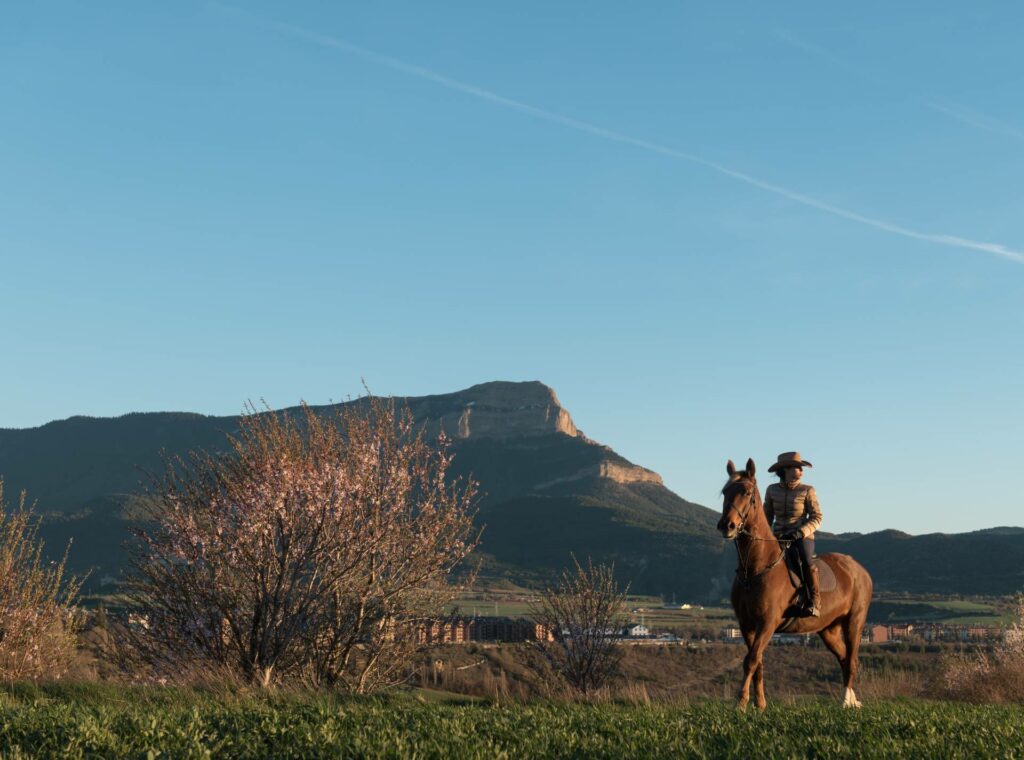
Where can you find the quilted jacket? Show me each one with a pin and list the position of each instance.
(792, 509)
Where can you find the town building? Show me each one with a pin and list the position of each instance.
(877, 634)
(463, 630)
(637, 631)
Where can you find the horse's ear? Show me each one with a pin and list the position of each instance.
(730, 468)
(750, 468)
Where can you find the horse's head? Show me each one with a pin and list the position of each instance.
(739, 498)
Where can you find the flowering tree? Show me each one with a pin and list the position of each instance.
(305, 551)
(38, 614)
(584, 613)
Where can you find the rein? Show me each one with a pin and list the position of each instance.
(745, 577)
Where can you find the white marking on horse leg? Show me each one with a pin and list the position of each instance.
(850, 698)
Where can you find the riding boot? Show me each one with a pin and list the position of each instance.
(813, 593)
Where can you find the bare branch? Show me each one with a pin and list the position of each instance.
(584, 613)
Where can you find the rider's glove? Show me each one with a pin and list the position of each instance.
(792, 535)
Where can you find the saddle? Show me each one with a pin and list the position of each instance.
(826, 578)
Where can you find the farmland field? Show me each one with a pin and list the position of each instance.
(651, 610)
(659, 616)
(893, 609)
(107, 721)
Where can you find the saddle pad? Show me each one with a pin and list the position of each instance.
(826, 578)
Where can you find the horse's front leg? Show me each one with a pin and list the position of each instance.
(753, 663)
(757, 641)
(759, 697)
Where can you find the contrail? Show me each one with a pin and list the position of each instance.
(800, 43)
(944, 106)
(975, 118)
(609, 134)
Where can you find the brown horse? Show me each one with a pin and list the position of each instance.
(763, 596)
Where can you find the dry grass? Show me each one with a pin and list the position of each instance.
(677, 674)
(875, 685)
(993, 676)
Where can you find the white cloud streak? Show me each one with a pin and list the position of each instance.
(791, 39)
(946, 107)
(974, 118)
(420, 72)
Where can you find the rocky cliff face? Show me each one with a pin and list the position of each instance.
(505, 411)
(624, 473)
(628, 473)
(499, 410)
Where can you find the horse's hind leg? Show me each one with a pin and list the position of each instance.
(835, 638)
(853, 626)
(851, 635)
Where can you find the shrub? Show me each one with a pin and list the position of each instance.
(989, 676)
(39, 618)
(584, 614)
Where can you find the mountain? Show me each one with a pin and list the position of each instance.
(547, 491)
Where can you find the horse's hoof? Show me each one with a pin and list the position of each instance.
(850, 698)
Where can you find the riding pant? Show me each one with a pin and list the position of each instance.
(802, 549)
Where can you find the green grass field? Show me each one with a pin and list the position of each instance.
(893, 609)
(104, 721)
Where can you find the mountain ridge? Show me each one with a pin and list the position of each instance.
(548, 491)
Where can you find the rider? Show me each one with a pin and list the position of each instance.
(794, 514)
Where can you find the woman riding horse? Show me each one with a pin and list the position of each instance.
(762, 594)
(792, 509)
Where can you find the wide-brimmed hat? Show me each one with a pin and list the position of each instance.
(789, 459)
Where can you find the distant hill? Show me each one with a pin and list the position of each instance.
(983, 562)
(548, 491)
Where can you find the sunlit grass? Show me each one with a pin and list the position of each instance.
(96, 720)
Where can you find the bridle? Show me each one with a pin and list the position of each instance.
(743, 515)
(745, 577)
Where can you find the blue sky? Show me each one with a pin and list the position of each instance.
(204, 203)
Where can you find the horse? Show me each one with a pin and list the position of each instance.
(762, 592)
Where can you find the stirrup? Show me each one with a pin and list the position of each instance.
(805, 607)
